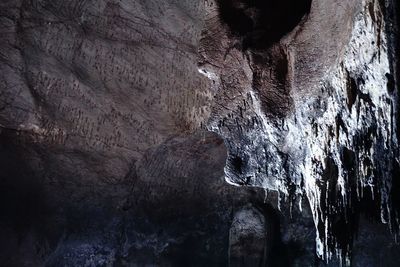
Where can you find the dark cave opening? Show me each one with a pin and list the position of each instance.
(237, 163)
(261, 23)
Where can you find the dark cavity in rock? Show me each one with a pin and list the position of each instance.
(261, 23)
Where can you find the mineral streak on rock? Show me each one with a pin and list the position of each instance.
(307, 107)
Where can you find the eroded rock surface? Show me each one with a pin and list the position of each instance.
(307, 107)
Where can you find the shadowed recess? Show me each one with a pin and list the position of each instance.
(261, 23)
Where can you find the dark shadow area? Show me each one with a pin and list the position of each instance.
(25, 212)
(261, 23)
(278, 253)
(22, 202)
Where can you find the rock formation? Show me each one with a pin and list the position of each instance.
(199, 133)
(307, 107)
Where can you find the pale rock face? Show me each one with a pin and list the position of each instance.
(248, 238)
(310, 114)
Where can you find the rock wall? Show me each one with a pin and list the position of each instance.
(105, 157)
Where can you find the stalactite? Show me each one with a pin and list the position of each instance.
(337, 147)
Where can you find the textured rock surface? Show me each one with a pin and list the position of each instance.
(248, 238)
(311, 110)
(104, 157)
(99, 82)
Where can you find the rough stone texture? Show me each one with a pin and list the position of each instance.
(87, 88)
(104, 157)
